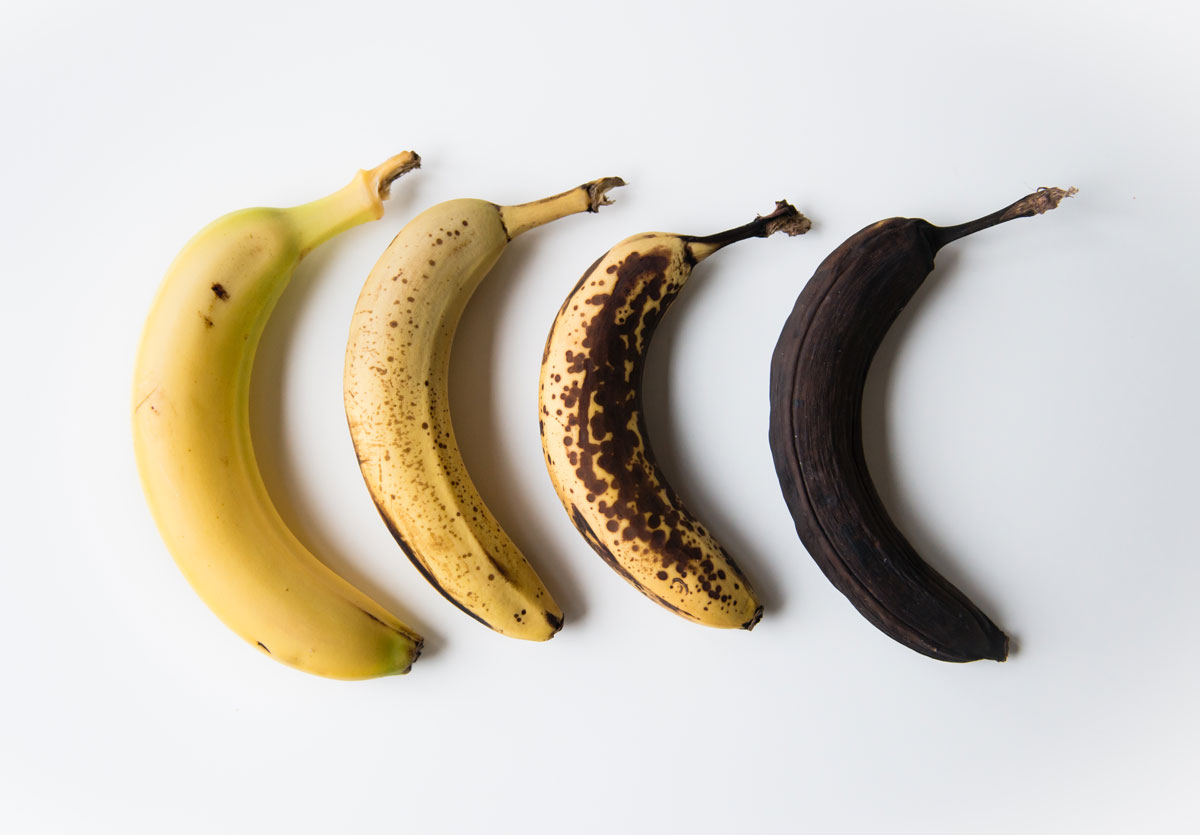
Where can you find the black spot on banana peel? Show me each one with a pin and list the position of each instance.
(594, 432)
(817, 375)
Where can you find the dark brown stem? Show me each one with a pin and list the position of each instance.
(1040, 202)
(785, 219)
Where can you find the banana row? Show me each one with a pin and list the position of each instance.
(198, 469)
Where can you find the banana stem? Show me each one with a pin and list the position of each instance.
(785, 218)
(1040, 202)
(357, 202)
(382, 176)
(588, 197)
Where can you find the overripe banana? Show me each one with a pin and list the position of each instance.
(594, 431)
(191, 434)
(397, 361)
(817, 375)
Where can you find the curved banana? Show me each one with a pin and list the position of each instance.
(594, 431)
(191, 434)
(818, 371)
(397, 362)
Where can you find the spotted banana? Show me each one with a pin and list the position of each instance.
(594, 431)
(397, 406)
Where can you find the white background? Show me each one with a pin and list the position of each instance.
(1031, 419)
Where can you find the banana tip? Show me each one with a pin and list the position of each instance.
(597, 191)
(1038, 203)
(754, 619)
(787, 219)
(392, 170)
(418, 646)
(1046, 199)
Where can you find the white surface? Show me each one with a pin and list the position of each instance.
(1031, 419)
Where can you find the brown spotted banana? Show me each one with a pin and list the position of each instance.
(594, 430)
(395, 386)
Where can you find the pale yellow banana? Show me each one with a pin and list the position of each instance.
(192, 439)
(594, 430)
(397, 360)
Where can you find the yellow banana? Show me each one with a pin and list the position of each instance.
(397, 360)
(594, 431)
(191, 435)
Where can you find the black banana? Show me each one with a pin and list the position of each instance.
(817, 375)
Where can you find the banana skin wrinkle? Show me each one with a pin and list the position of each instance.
(818, 371)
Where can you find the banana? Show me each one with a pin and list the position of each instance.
(191, 436)
(817, 374)
(594, 432)
(397, 361)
